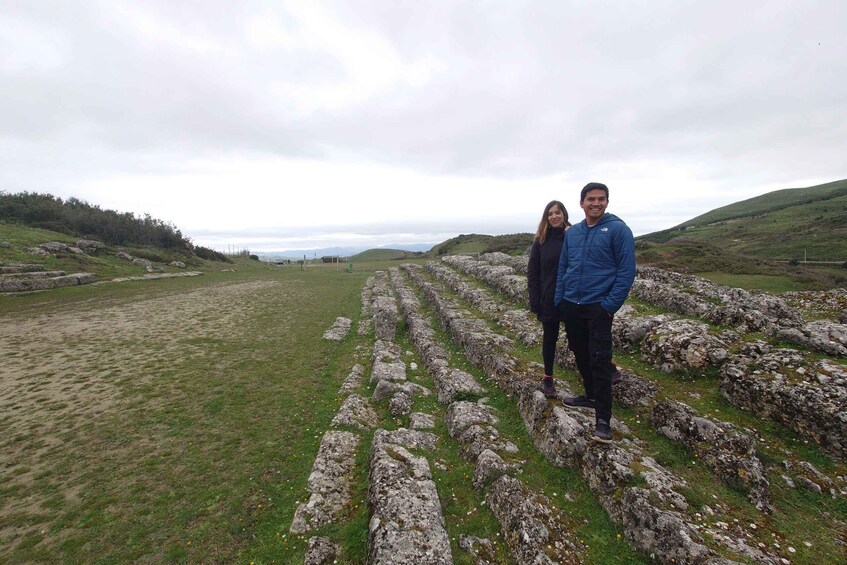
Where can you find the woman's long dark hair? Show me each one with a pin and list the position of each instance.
(544, 224)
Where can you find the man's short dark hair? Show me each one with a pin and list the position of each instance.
(593, 186)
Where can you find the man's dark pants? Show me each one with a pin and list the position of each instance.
(589, 331)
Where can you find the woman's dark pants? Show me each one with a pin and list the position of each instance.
(548, 345)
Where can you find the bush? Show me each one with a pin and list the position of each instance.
(211, 254)
(150, 255)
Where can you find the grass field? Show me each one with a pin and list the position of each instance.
(167, 420)
(177, 421)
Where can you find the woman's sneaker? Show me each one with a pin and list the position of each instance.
(548, 387)
(580, 402)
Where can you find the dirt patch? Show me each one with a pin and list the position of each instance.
(63, 370)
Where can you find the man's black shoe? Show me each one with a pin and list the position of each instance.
(602, 432)
(580, 402)
(617, 377)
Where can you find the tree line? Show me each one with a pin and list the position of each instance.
(80, 219)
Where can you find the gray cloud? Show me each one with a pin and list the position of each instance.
(738, 95)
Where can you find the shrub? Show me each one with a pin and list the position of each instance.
(210, 254)
(151, 255)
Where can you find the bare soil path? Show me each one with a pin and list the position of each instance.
(126, 425)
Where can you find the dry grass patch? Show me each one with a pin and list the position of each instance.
(162, 426)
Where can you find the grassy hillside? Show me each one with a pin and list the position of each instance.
(384, 255)
(771, 202)
(512, 244)
(106, 264)
(80, 219)
(782, 225)
(764, 236)
(728, 267)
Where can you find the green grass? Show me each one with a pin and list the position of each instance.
(775, 201)
(384, 255)
(769, 283)
(512, 244)
(105, 263)
(192, 439)
(694, 255)
(751, 236)
(748, 237)
(207, 443)
(800, 517)
(815, 230)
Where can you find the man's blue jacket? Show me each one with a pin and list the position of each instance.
(597, 264)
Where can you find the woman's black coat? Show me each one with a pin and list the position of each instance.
(541, 274)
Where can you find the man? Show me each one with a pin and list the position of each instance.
(596, 271)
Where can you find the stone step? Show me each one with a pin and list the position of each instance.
(655, 516)
(406, 522)
(21, 268)
(28, 285)
(31, 275)
(534, 531)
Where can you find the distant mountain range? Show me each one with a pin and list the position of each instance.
(338, 251)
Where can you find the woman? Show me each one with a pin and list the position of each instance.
(541, 280)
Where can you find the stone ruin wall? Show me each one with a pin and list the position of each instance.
(704, 330)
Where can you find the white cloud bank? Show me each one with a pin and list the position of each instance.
(285, 125)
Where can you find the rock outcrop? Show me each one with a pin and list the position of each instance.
(406, 523)
(728, 451)
(330, 482)
(339, 330)
(805, 395)
(683, 345)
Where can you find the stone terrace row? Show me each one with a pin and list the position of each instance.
(791, 387)
(655, 516)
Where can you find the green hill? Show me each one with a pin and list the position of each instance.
(16, 241)
(385, 255)
(771, 202)
(785, 224)
(766, 237)
(74, 218)
(512, 244)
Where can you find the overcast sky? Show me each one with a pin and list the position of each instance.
(275, 125)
